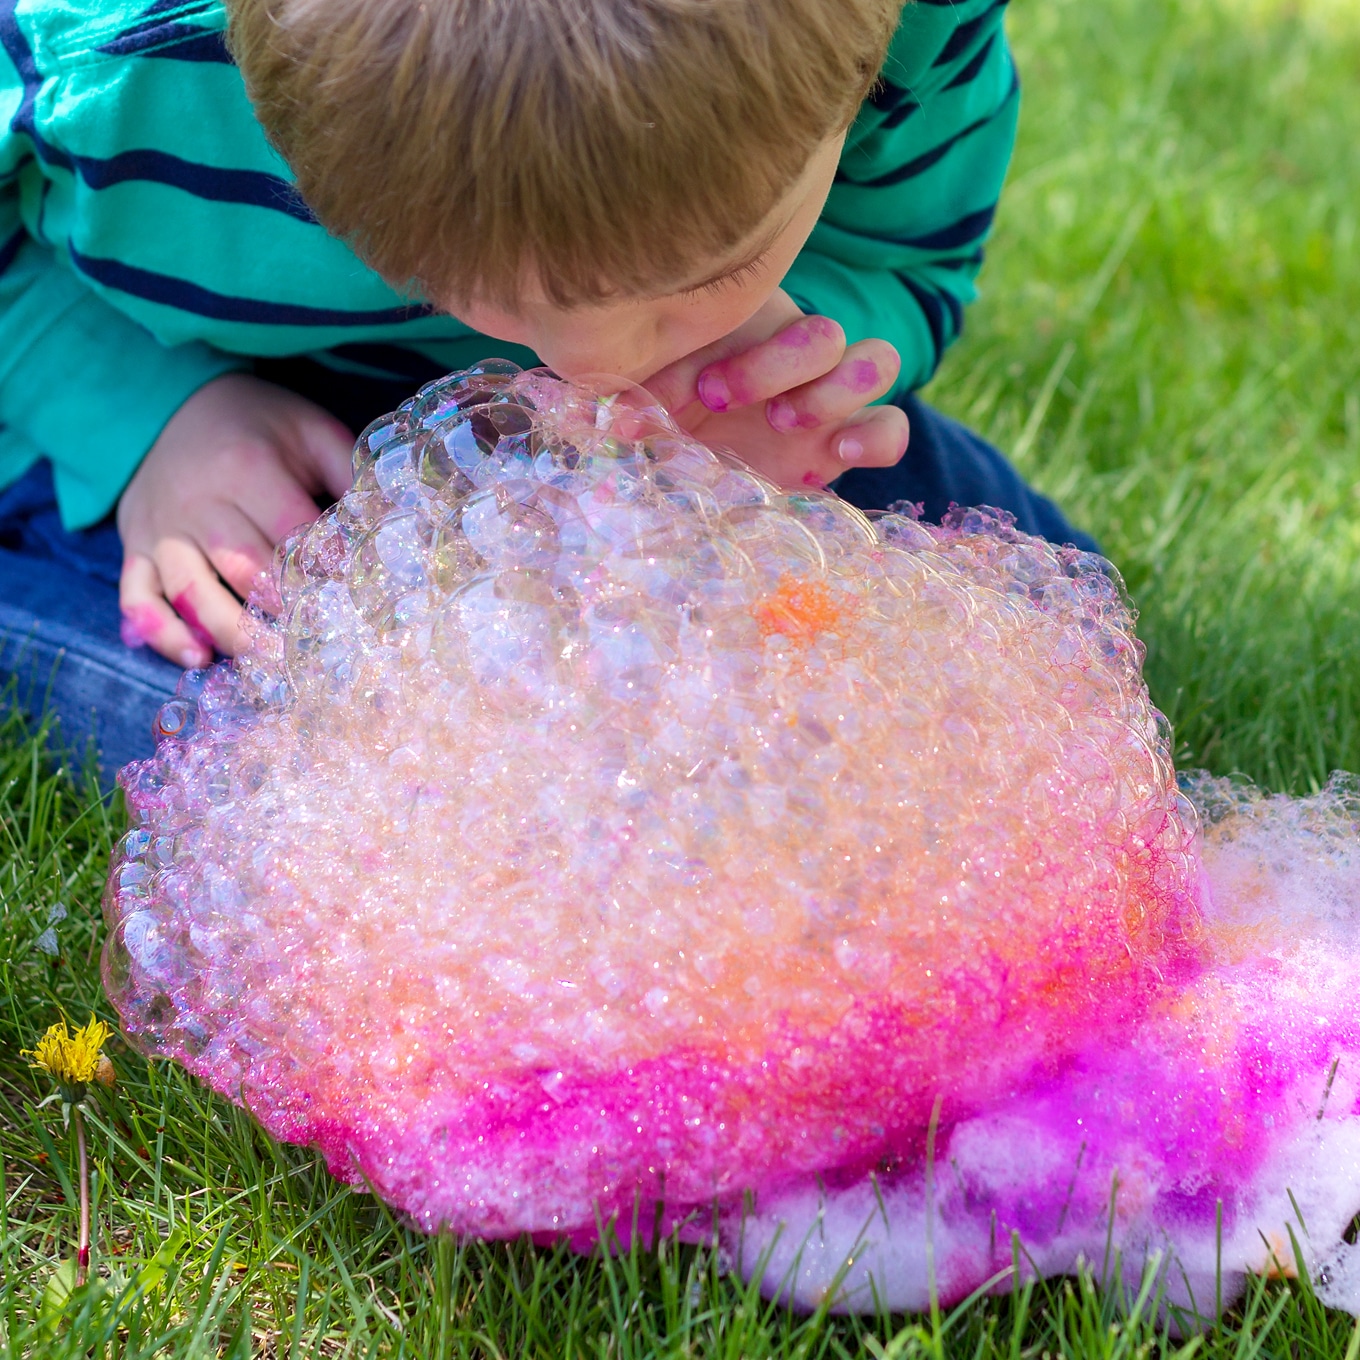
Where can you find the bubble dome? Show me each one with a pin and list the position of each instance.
(593, 829)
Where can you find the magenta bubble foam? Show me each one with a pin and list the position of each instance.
(592, 829)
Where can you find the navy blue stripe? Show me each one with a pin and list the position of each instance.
(207, 47)
(960, 233)
(894, 102)
(929, 302)
(169, 291)
(935, 307)
(920, 164)
(10, 249)
(974, 257)
(180, 42)
(16, 45)
(255, 187)
(900, 114)
(970, 72)
(154, 19)
(955, 308)
(155, 11)
(886, 96)
(47, 153)
(396, 360)
(21, 55)
(964, 34)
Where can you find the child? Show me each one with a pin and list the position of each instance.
(770, 211)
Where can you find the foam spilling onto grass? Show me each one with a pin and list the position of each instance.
(1220, 1131)
(594, 830)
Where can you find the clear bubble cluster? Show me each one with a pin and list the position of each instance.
(591, 821)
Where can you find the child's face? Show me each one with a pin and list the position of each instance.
(635, 337)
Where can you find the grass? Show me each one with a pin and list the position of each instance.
(1170, 343)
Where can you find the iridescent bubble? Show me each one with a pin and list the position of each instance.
(593, 828)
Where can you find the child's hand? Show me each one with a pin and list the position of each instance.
(232, 472)
(786, 394)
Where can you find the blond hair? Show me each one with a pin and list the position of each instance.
(602, 147)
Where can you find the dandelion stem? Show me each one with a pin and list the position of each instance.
(83, 1250)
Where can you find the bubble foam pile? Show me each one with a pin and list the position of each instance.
(594, 830)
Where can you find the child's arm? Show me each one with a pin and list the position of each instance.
(887, 271)
(899, 242)
(80, 383)
(88, 388)
(232, 461)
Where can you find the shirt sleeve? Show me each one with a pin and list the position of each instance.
(80, 383)
(899, 243)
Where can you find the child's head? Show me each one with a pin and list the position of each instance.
(616, 182)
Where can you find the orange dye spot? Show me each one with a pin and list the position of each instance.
(1280, 1262)
(798, 609)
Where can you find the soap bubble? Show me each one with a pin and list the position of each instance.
(592, 824)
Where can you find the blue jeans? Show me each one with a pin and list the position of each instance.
(59, 617)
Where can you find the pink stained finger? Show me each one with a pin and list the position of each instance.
(138, 625)
(148, 619)
(860, 376)
(800, 353)
(867, 372)
(183, 605)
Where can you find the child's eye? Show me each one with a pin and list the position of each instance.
(723, 282)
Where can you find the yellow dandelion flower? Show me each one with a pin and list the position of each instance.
(73, 1059)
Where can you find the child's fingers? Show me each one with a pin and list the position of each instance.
(676, 386)
(800, 353)
(148, 619)
(867, 372)
(874, 437)
(209, 610)
(237, 549)
(271, 496)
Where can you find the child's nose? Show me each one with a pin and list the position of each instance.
(612, 360)
(621, 350)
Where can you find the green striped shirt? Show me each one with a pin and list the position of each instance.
(151, 239)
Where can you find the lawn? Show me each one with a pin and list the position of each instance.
(1169, 341)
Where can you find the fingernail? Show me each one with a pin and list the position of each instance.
(850, 450)
(191, 659)
(781, 415)
(713, 390)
